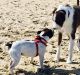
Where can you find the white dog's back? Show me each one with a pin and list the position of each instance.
(27, 48)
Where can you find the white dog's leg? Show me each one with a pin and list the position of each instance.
(41, 58)
(31, 60)
(12, 65)
(57, 58)
(15, 58)
(70, 51)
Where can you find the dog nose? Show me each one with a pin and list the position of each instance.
(54, 28)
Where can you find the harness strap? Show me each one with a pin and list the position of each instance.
(36, 48)
(44, 41)
(39, 39)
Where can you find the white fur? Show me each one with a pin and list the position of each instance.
(70, 51)
(27, 48)
(67, 26)
(57, 58)
(55, 26)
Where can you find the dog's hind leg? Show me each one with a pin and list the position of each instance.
(31, 60)
(13, 64)
(15, 58)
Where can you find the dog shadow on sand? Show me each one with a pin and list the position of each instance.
(49, 71)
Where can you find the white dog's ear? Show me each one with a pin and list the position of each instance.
(38, 32)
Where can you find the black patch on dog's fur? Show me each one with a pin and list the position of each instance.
(76, 17)
(68, 13)
(60, 17)
(38, 32)
(9, 44)
(67, 5)
(76, 20)
(59, 38)
(48, 32)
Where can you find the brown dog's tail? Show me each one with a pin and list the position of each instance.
(9, 44)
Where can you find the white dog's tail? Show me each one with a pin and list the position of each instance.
(9, 44)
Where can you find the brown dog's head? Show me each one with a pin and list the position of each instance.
(60, 15)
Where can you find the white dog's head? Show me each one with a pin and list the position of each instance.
(46, 32)
(60, 15)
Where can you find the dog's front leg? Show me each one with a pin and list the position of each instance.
(57, 58)
(41, 58)
(31, 60)
(70, 49)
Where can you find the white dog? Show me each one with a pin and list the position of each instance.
(29, 48)
(66, 18)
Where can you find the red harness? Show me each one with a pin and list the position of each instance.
(39, 39)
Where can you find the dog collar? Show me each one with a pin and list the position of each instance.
(39, 39)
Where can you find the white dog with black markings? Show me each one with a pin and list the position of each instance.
(66, 18)
(29, 48)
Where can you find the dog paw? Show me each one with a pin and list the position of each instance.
(69, 62)
(40, 70)
(56, 60)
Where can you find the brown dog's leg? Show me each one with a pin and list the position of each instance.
(58, 48)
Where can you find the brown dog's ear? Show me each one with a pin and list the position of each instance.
(38, 32)
(54, 10)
